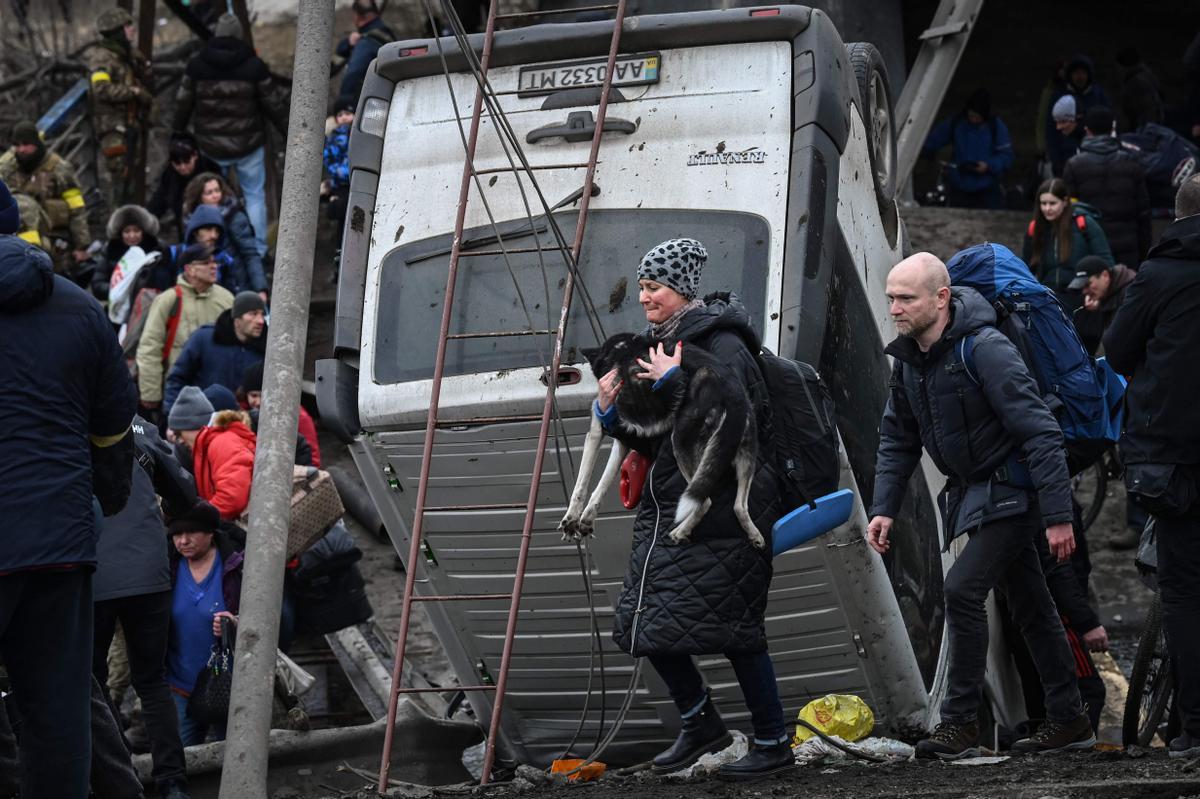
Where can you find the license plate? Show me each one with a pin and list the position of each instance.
(630, 70)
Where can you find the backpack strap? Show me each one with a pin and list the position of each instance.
(173, 323)
(1032, 228)
(1081, 222)
(966, 355)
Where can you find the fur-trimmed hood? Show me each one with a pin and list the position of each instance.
(132, 215)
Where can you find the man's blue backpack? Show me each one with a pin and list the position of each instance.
(1083, 394)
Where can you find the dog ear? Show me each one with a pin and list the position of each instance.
(591, 354)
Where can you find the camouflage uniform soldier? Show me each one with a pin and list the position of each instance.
(121, 101)
(35, 225)
(29, 169)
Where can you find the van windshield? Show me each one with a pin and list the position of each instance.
(494, 297)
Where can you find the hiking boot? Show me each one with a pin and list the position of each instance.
(1059, 736)
(760, 761)
(701, 733)
(951, 741)
(1128, 539)
(173, 790)
(1184, 746)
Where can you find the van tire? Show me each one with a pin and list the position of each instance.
(878, 118)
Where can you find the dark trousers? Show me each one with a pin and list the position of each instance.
(113, 776)
(756, 676)
(145, 620)
(1178, 542)
(45, 642)
(1002, 555)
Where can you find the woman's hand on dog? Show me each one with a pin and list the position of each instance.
(610, 386)
(660, 361)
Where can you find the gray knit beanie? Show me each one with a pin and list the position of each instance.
(676, 264)
(1064, 109)
(191, 410)
(228, 25)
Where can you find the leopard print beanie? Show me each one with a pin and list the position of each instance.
(677, 264)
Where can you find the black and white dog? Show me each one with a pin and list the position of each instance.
(713, 433)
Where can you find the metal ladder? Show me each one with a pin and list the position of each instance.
(551, 379)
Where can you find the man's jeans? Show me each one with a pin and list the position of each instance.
(145, 620)
(756, 676)
(1178, 542)
(252, 180)
(1002, 555)
(46, 645)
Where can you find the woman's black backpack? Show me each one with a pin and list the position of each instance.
(803, 429)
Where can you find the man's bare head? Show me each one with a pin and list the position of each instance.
(918, 291)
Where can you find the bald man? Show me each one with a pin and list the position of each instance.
(961, 391)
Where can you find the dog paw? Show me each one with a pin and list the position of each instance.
(585, 527)
(679, 536)
(569, 527)
(758, 541)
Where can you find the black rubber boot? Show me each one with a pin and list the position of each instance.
(760, 761)
(702, 733)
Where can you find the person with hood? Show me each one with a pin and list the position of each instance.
(359, 49)
(308, 448)
(121, 101)
(184, 162)
(992, 435)
(222, 450)
(220, 353)
(982, 153)
(206, 225)
(29, 168)
(1154, 340)
(228, 95)
(209, 188)
(206, 580)
(132, 586)
(131, 226)
(66, 404)
(1141, 94)
(1113, 182)
(665, 610)
(1087, 94)
(1061, 233)
(172, 318)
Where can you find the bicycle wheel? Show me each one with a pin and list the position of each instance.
(1091, 488)
(1150, 683)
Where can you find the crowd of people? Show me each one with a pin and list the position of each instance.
(161, 375)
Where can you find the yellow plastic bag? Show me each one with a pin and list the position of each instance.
(843, 715)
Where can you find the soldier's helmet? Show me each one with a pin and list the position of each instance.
(113, 19)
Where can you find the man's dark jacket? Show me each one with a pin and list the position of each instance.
(1155, 341)
(64, 389)
(132, 553)
(213, 354)
(227, 92)
(1105, 176)
(969, 429)
(359, 57)
(709, 595)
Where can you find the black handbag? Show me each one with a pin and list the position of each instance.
(209, 701)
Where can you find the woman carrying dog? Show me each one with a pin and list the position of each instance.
(707, 596)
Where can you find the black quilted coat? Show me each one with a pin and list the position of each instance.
(707, 596)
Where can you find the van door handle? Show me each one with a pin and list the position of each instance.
(567, 376)
(580, 126)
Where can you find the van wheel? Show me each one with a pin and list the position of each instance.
(876, 109)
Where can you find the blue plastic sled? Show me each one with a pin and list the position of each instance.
(805, 523)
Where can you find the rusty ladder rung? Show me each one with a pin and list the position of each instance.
(533, 167)
(512, 251)
(445, 689)
(478, 506)
(556, 11)
(502, 334)
(459, 597)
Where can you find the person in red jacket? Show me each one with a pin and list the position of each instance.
(251, 392)
(222, 448)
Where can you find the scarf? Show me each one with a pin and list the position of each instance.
(667, 329)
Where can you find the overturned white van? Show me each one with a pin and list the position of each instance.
(757, 131)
